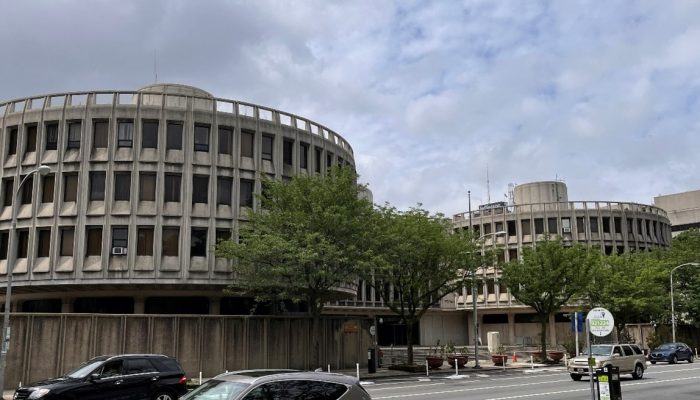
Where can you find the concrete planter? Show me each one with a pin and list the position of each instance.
(434, 362)
(460, 360)
(499, 359)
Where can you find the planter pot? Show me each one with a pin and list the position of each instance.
(499, 359)
(556, 356)
(434, 362)
(461, 360)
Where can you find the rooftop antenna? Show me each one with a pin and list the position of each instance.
(488, 185)
(155, 66)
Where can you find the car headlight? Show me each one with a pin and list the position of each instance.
(39, 393)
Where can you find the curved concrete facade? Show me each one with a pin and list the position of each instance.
(142, 185)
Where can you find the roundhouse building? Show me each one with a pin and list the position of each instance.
(142, 185)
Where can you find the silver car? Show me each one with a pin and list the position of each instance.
(279, 385)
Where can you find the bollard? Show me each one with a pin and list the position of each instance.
(456, 367)
(566, 360)
(532, 362)
(358, 370)
(200, 378)
(427, 371)
(329, 368)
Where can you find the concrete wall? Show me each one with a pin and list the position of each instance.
(445, 327)
(47, 345)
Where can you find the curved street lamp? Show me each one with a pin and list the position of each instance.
(673, 314)
(12, 257)
(476, 318)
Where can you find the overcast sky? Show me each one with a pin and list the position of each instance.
(602, 94)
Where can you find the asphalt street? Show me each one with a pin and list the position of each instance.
(661, 381)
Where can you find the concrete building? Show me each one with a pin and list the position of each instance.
(683, 210)
(143, 184)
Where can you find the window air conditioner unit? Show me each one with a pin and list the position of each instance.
(119, 251)
(566, 229)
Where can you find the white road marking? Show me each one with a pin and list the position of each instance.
(463, 390)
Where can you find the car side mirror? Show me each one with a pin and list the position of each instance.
(94, 377)
(615, 355)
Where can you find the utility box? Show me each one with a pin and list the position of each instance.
(608, 383)
(493, 340)
(371, 360)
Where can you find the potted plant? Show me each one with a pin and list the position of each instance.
(435, 356)
(555, 355)
(499, 357)
(453, 356)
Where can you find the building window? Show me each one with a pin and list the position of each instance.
(487, 228)
(31, 139)
(200, 189)
(201, 137)
(100, 134)
(223, 190)
(526, 229)
(122, 186)
(4, 238)
(499, 226)
(52, 136)
(97, 186)
(125, 134)
(27, 190)
(149, 134)
(67, 235)
(594, 224)
(198, 247)
(47, 188)
(120, 236)
(618, 224)
(44, 247)
(144, 246)
(303, 155)
(329, 159)
(287, 151)
(147, 186)
(94, 241)
(22, 243)
(70, 188)
(172, 188)
(566, 225)
(511, 228)
(7, 191)
(225, 140)
(171, 237)
(318, 159)
(606, 224)
(539, 226)
(74, 135)
(174, 136)
(246, 194)
(222, 234)
(267, 144)
(552, 226)
(247, 143)
(12, 141)
(580, 225)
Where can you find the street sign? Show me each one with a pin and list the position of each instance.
(600, 322)
(372, 330)
(577, 322)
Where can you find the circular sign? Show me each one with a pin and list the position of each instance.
(372, 330)
(600, 322)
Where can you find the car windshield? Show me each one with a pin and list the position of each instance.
(84, 369)
(600, 350)
(216, 390)
(667, 346)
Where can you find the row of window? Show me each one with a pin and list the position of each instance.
(174, 129)
(172, 184)
(119, 241)
(654, 228)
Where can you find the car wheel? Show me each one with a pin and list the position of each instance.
(691, 359)
(163, 396)
(638, 372)
(653, 362)
(672, 359)
(576, 377)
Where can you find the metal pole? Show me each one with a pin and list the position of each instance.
(590, 356)
(576, 331)
(673, 311)
(475, 318)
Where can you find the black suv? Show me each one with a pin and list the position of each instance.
(123, 377)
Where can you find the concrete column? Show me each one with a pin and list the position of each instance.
(552, 331)
(511, 328)
(139, 305)
(214, 305)
(66, 305)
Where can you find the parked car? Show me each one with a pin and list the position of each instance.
(672, 352)
(279, 384)
(629, 358)
(123, 377)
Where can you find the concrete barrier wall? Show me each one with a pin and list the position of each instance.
(47, 345)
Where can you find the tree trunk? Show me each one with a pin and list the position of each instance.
(315, 334)
(543, 325)
(409, 339)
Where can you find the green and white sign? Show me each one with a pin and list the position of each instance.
(600, 322)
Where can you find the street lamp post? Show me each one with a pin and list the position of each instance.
(673, 313)
(12, 257)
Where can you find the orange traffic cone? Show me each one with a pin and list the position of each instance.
(515, 357)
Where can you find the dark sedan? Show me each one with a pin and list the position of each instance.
(672, 353)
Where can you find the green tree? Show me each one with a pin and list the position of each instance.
(420, 259)
(307, 240)
(548, 277)
(685, 249)
(632, 286)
